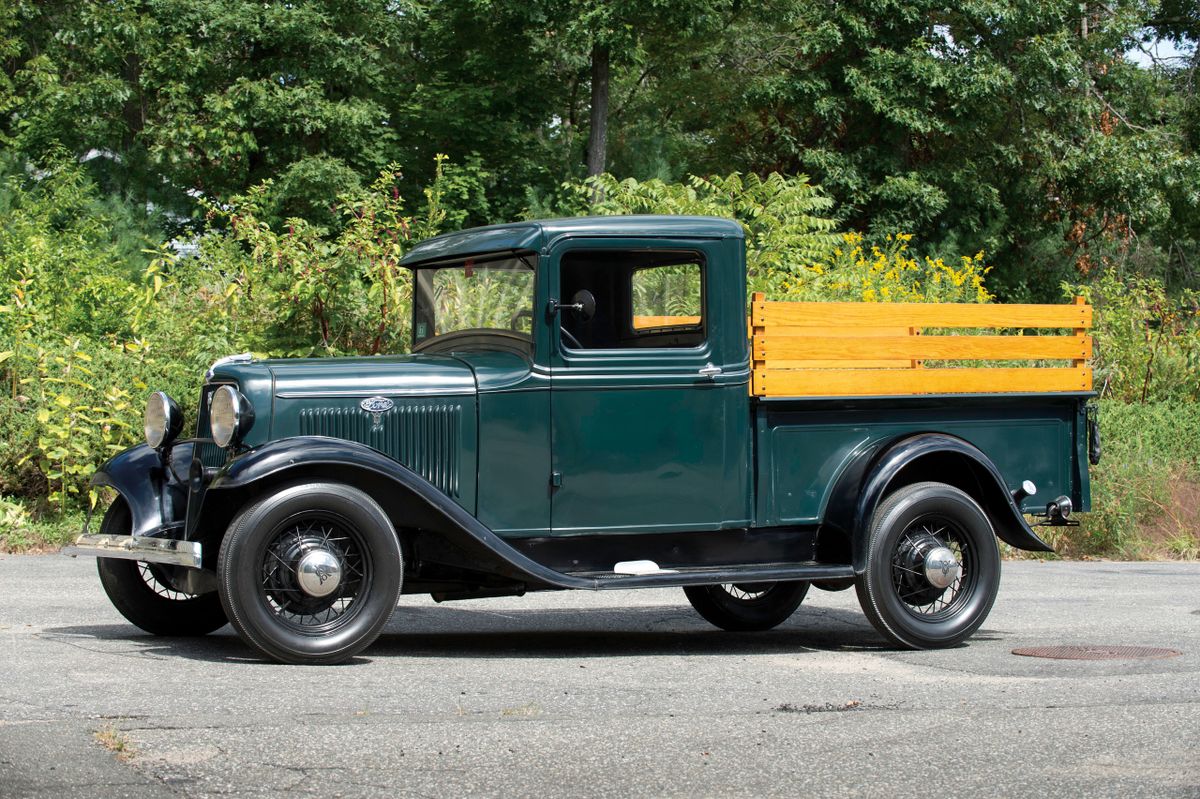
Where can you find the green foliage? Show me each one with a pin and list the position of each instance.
(208, 95)
(81, 420)
(301, 291)
(1018, 128)
(21, 532)
(88, 325)
(1150, 451)
(1147, 340)
(854, 270)
(785, 218)
(14, 523)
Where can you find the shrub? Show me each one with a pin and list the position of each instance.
(854, 270)
(88, 325)
(1147, 341)
(1151, 460)
(785, 218)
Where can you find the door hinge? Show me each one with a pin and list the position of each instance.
(556, 479)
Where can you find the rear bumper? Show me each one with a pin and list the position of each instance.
(137, 547)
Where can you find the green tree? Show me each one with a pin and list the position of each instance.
(211, 96)
(1015, 127)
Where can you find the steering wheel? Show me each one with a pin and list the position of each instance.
(514, 321)
(570, 337)
(478, 339)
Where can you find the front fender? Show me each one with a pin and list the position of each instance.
(943, 458)
(151, 489)
(410, 499)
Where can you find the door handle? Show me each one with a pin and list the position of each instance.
(710, 371)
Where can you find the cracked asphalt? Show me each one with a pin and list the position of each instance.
(610, 694)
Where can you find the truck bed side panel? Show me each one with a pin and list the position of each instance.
(804, 445)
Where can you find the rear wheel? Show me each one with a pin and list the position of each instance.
(311, 573)
(142, 593)
(747, 607)
(933, 567)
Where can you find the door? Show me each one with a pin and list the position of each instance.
(649, 427)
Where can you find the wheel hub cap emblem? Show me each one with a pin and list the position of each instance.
(941, 567)
(319, 573)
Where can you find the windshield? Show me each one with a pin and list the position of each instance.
(474, 294)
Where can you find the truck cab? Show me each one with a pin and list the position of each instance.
(587, 405)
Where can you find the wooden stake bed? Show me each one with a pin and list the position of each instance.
(824, 349)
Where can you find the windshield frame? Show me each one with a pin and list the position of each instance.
(422, 290)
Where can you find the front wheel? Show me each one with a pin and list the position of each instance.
(311, 573)
(142, 593)
(747, 607)
(933, 567)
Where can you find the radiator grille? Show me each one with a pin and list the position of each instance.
(426, 438)
(208, 452)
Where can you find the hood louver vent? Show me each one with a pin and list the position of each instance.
(426, 438)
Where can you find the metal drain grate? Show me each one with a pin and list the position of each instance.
(1097, 652)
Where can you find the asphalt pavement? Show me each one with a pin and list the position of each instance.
(610, 694)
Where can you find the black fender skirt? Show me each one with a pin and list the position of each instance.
(973, 471)
(154, 491)
(322, 458)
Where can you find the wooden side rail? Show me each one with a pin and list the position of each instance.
(824, 349)
(647, 322)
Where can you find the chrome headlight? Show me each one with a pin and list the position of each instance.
(229, 416)
(162, 420)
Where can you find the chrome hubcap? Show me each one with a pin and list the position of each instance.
(941, 567)
(319, 572)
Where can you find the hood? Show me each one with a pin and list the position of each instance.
(425, 418)
(387, 376)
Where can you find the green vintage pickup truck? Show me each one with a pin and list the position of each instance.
(587, 405)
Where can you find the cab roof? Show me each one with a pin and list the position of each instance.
(537, 235)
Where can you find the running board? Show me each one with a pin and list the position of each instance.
(717, 575)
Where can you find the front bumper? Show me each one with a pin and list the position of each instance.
(136, 547)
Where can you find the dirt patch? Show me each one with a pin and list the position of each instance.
(1174, 533)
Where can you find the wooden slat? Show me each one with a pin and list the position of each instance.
(644, 322)
(839, 331)
(777, 349)
(757, 298)
(1081, 362)
(834, 363)
(887, 382)
(841, 314)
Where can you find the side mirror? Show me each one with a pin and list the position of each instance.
(585, 304)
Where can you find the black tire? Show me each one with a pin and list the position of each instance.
(895, 592)
(141, 593)
(259, 582)
(747, 607)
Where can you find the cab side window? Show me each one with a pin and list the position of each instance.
(666, 297)
(644, 299)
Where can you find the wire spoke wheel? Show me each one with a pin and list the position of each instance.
(745, 607)
(144, 593)
(282, 587)
(933, 566)
(748, 592)
(311, 573)
(156, 581)
(921, 597)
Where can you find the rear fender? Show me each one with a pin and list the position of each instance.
(927, 456)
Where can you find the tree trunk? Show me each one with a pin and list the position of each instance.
(598, 139)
